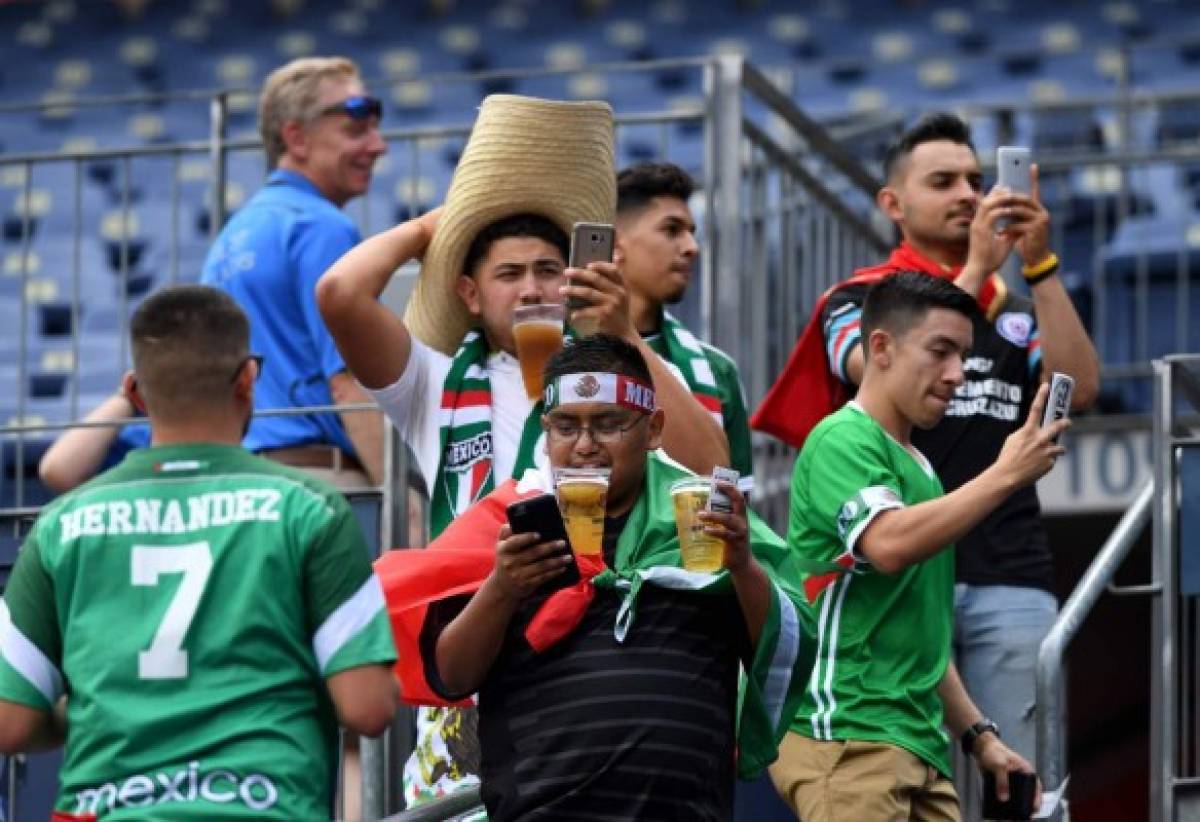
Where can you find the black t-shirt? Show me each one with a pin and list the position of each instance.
(593, 729)
(1002, 371)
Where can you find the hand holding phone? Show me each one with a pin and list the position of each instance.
(1014, 171)
(590, 243)
(1058, 404)
(541, 515)
(1022, 789)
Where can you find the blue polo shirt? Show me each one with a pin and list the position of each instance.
(268, 257)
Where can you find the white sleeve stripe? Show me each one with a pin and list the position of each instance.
(345, 623)
(27, 658)
(852, 538)
(787, 648)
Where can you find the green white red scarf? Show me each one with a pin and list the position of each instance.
(647, 553)
(466, 470)
(686, 353)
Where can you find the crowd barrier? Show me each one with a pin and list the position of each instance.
(785, 210)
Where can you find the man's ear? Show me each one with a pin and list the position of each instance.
(243, 386)
(468, 291)
(295, 140)
(878, 349)
(129, 386)
(618, 247)
(655, 428)
(888, 201)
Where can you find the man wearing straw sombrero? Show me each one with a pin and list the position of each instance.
(446, 374)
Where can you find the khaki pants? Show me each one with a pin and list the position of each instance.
(860, 782)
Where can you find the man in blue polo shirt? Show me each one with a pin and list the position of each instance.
(321, 134)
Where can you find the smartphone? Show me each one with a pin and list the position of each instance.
(1014, 172)
(590, 243)
(718, 500)
(1058, 404)
(541, 515)
(1022, 787)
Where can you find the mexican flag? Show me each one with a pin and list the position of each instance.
(647, 553)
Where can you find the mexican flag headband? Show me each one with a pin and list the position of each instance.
(596, 386)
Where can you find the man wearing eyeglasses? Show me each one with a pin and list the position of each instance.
(199, 619)
(321, 135)
(617, 697)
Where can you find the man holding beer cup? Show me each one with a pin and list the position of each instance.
(448, 373)
(616, 696)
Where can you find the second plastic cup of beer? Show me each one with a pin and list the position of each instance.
(582, 496)
(700, 551)
(538, 331)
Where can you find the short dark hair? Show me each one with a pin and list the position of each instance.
(642, 182)
(599, 352)
(900, 301)
(938, 126)
(187, 342)
(516, 225)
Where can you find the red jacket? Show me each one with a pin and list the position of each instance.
(807, 391)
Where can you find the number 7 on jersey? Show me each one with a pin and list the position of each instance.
(165, 658)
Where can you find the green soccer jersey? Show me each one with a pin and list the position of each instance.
(883, 639)
(190, 603)
(722, 372)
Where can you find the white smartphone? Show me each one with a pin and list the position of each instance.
(1058, 404)
(1014, 172)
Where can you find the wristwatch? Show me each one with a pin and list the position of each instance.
(975, 731)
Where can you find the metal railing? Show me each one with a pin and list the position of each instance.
(1051, 722)
(787, 211)
(1175, 634)
(766, 172)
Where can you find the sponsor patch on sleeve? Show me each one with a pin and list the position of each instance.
(1015, 326)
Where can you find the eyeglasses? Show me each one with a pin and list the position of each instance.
(604, 430)
(258, 364)
(358, 107)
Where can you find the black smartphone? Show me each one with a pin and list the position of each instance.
(541, 515)
(590, 243)
(1022, 787)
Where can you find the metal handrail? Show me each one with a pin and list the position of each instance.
(1070, 619)
(444, 807)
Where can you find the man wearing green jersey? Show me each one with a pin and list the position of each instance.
(867, 741)
(195, 621)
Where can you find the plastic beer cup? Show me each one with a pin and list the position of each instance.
(700, 551)
(538, 332)
(582, 497)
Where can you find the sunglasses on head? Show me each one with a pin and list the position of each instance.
(358, 107)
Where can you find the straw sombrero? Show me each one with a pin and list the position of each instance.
(524, 155)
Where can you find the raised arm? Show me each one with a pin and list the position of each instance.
(691, 435)
(903, 536)
(1066, 346)
(373, 341)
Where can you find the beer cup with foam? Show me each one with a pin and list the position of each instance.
(582, 496)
